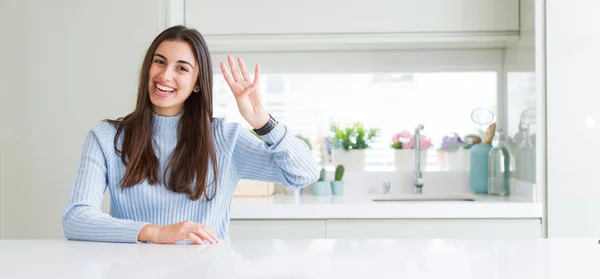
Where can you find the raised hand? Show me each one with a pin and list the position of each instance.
(246, 91)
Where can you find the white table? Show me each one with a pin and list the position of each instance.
(433, 258)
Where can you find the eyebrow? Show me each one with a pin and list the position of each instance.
(179, 61)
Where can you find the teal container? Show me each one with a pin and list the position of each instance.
(320, 188)
(337, 187)
(478, 176)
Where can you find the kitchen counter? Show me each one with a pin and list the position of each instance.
(310, 258)
(356, 207)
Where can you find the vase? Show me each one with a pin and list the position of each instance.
(337, 187)
(353, 160)
(319, 188)
(478, 174)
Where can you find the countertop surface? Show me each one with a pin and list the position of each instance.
(311, 258)
(348, 207)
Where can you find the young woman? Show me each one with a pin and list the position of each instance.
(171, 168)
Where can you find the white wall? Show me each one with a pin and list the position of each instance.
(3, 87)
(69, 65)
(572, 59)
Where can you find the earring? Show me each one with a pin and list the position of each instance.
(196, 89)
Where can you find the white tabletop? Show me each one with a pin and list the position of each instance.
(465, 259)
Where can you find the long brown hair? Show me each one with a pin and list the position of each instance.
(195, 146)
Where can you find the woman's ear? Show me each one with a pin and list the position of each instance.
(196, 88)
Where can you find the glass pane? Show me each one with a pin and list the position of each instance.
(392, 102)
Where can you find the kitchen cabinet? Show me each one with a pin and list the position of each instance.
(435, 228)
(387, 228)
(568, 75)
(275, 24)
(287, 229)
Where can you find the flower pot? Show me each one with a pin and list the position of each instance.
(441, 159)
(458, 160)
(353, 160)
(405, 159)
(337, 187)
(320, 188)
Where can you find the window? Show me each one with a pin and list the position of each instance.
(309, 100)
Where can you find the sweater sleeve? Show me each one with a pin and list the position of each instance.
(281, 157)
(83, 219)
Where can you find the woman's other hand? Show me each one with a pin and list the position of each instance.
(188, 230)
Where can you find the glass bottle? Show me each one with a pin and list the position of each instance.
(499, 167)
(525, 158)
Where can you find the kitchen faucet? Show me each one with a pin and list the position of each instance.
(417, 174)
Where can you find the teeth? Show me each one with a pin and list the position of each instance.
(164, 88)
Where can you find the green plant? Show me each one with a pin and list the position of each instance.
(353, 136)
(306, 140)
(339, 172)
(397, 145)
(322, 176)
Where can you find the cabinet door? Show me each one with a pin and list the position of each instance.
(276, 17)
(284, 229)
(434, 228)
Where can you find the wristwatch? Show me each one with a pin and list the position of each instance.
(268, 127)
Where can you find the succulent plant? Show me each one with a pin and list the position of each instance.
(322, 176)
(339, 172)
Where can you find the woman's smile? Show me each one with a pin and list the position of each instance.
(163, 91)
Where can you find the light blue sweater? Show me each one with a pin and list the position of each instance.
(240, 155)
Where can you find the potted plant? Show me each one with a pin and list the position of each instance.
(337, 186)
(349, 145)
(455, 152)
(320, 187)
(403, 145)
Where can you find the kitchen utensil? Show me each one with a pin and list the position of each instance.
(482, 116)
(489, 135)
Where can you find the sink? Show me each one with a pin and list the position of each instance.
(426, 197)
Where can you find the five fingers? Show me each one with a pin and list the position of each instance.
(236, 74)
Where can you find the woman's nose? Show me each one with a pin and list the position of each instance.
(167, 74)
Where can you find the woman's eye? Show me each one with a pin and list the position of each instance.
(181, 68)
(159, 61)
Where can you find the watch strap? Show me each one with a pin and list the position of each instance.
(268, 127)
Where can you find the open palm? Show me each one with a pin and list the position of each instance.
(245, 91)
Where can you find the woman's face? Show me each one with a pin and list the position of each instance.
(173, 75)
